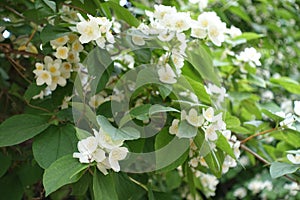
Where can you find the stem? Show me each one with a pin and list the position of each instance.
(257, 134)
(265, 161)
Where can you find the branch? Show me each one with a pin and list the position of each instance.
(257, 134)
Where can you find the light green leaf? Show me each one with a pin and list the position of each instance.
(288, 84)
(54, 143)
(222, 143)
(202, 62)
(124, 133)
(186, 130)
(290, 136)
(20, 128)
(63, 171)
(86, 111)
(249, 36)
(278, 169)
(159, 109)
(82, 134)
(104, 186)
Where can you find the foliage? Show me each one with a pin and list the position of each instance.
(137, 100)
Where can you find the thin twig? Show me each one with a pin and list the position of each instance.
(31, 36)
(14, 11)
(257, 134)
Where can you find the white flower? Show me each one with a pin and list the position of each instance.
(208, 114)
(177, 21)
(178, 60)
(197, 30)
(166, 36)
(216, 33)
(167, 75)
(240, 193)
(89, 151)
(105, 141)
(43, 76)
(234, 31)
(89, 30)
(65, 70)
(250, 55)
(160, 11)
(194, 119)
(138, 40)
(207, 18)
(62, 52)
(194, 162)
(96, 101)
(295, 159)
(174, 127)
(288, 121)
(210, 133)
(76, 46)
(57, 80)
(255, 186)
(59, 42)
(39, 67)
(65, 103)
(116, 155)
(297, 107)
(73, 57)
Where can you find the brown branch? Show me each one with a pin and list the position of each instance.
(7, 50)
(257, 134)
(265, 161)
(30, 37)
(17, 67)
(13, 11)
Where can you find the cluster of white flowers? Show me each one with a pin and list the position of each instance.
(54, 72)
(251, 56)
(95, 29)
(230, 162)
(240, 193)
(209, 24)
(256, 186)
(209, 183)
(217, 94)
(98, 99)
(293, 187)
(103, 150)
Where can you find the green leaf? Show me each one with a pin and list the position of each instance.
(256, 80)
(278, 169)
(51, 32)
(173, 180)
(290, 136)
(231, 121)
(80, 187)
(54, 143)
(249, 36)
(202, 144)
(84, 110)
(82, 134)
(63, 171)
(186, 130)
(5, 163)
(202, 62)
(99, 64)
(171, 152)
(214, 161)
(20, 128)
(33, 90)
(124, 133)
(159, 109)
(104, 186)
(288, 84)
(50, 4)
(124, 14)
(11, 187)
(222, 143)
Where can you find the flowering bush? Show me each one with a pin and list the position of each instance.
(134, 100)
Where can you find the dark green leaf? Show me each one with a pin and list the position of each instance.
(52, 32)
(20, 128)
(104, 186)
(5, 163)
(123, 14)
(54, 143)
(63, 171)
